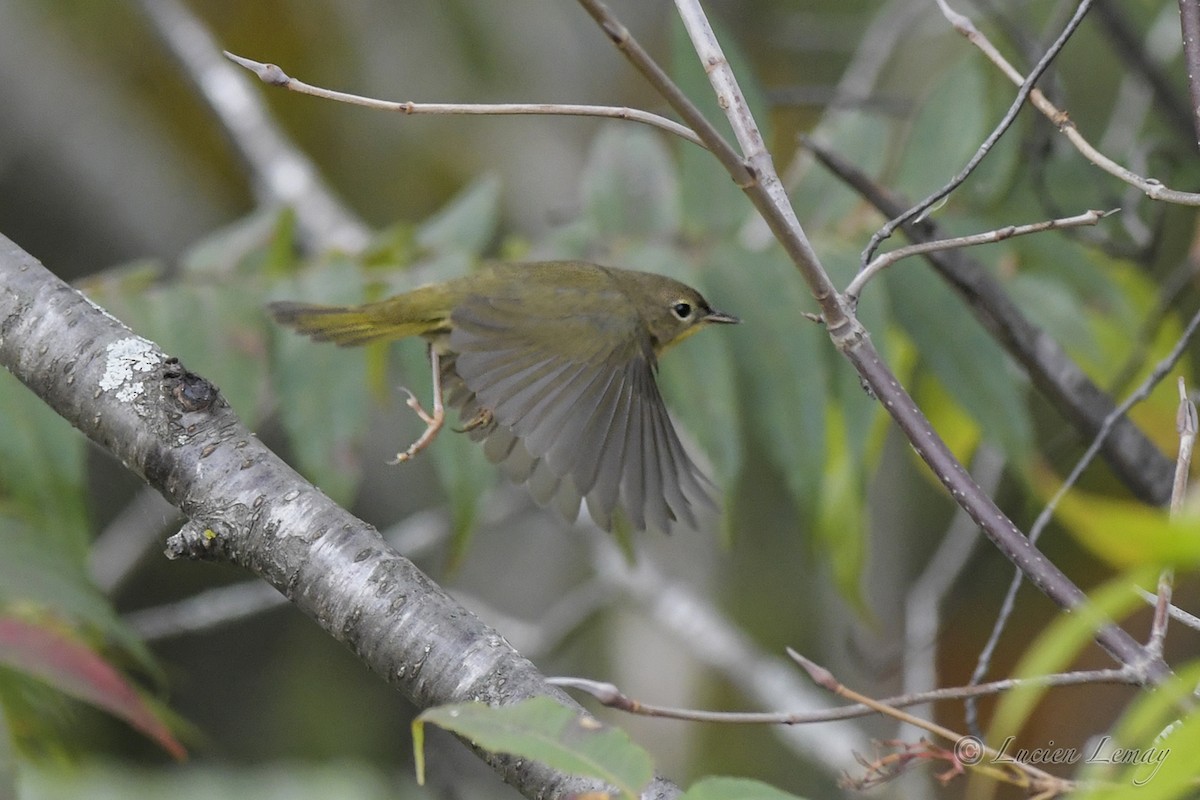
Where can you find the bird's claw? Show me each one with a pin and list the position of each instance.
(433, 421)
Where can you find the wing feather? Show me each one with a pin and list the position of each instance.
(576, 412)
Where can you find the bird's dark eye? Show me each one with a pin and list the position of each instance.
(682, 310)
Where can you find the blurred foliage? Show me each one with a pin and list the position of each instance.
(828, 517)
(546, 731)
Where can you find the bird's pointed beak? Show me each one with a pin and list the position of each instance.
(721, 317)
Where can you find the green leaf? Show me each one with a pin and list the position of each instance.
(58, 659)
(935, 151)
(468, 222)
(1149, 754)
(1130, 534)
(781, 371)
(40, 578)
(322, 389)
(630, 186)
(841, 526)
(42, 473)
(262, 242)
(543, 729)
(966, 360)
(711, 203)
(824, 201)
(726, 788)
(1060, 643)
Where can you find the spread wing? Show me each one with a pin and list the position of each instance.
(575, 409)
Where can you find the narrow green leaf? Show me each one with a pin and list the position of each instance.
(841, 522)
(936, 151)
(781, 372)
(630, 186)
(42, 471)
(1060, 643)
(322, 389)
(542, 729)
(1130, 534)
(1150, 753)
(466, 223)
(966, 360)
(261, 242)
(40, 578)
(720, 787)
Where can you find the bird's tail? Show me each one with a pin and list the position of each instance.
(354, 325)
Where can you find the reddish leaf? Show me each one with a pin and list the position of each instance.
(72, 668)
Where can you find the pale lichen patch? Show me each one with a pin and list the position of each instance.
(124, 360)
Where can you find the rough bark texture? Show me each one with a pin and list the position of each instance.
(172, 428)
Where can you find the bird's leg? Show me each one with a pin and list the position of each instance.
(433, 422)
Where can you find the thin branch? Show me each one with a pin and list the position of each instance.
(1141, 393)
(1147, 58)
(1154, 189)
(132, 534)
(1189, 20)
(1038, 780)
(1133, 457)
(922, 606)
(272, 75)
(853, 341)
(780, 218)
(1182, 617)
(885, 260)
(1010, 116)
(716, 641)
(611, 696)
(1186, 425)
(283, 174)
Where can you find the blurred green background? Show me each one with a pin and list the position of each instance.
(115, 174)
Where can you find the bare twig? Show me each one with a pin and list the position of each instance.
(272, 75)
(882, 262)
(1134, 458)
(1010, 116)
(1182, 617)
(853, 341)
(922, 606)
(283, 174)
(716, 641)
(132, 533)
(1186, 425)
(1141, 393)
(1147, 59)
(1150, 187)
(982, 757)
(610, 695)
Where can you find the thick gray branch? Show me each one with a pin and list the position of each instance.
(172, 428)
